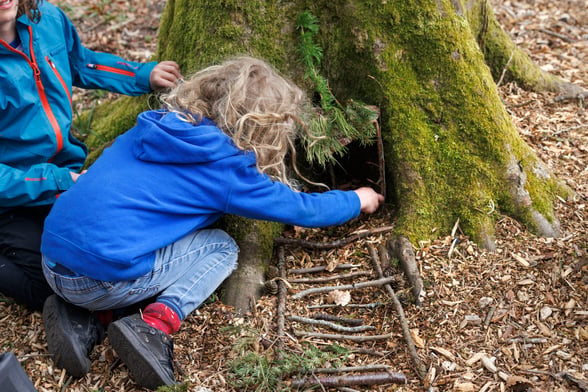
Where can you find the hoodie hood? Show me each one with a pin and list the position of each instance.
(165, 137)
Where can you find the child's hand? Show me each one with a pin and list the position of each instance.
(370, 199)
(165, 75)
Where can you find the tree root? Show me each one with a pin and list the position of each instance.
(401, 249)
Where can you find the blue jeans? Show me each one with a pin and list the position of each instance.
(184, 275)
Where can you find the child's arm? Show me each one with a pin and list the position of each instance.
(255, 196)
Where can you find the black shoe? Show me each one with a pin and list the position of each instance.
(147, 351)
(72, 333)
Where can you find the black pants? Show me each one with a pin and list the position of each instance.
(21, 276)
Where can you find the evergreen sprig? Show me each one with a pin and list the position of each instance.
(332, 125)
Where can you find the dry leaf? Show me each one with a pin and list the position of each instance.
(418, 341)
(339, 297)
(332, 264)
(519, 384)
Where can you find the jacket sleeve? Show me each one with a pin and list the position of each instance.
(99, 70)
(254, 195)
(21, 187)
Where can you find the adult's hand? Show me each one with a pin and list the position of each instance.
(165, 75)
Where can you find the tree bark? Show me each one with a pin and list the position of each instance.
(450, 146)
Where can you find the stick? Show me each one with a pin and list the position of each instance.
(367, 368)
(339, 381)
(381, 160)
(344, 320)
(557, 35)
(353, 338)
(528, 340)
(281, 318)
(334, 244)
(326, 289)
(333, 326)
(505, 69)
(331, 278)
(369, 306)
(320, 268)
(420, 367)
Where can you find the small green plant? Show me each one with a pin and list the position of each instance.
(266, 371)
(184, 387)
(82, 124)
(334, 125)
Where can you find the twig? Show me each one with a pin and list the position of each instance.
(381, 160)
(353, 338)
(505, 69)
(420, 367)
(333, 326)
(369, 306)
(330, 278)
(281, 310)
(488, 318)
(557, 35)
(320, 268)
(333, 244)
(569, 129)
(367, 368)
(354, 286)
(528, 340)
(581, 384)
(121, 24)
(342, 320)
(359, 379)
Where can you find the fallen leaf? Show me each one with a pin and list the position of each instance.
(339, 297)
(418, 341)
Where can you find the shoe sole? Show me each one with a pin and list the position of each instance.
(66, 353)
(142, 365)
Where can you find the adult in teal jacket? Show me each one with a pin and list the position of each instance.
(41, 58)
(137, 224)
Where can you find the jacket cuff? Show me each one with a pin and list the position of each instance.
(143, 74)
(63, 178)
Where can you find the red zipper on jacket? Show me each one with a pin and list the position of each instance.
(58, 75)
(42, 95)
(106, 68)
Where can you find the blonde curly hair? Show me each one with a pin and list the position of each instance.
(247, 99)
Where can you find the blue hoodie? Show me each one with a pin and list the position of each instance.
(160, 181)
(37, 150)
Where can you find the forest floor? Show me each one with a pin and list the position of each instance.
(511, 320)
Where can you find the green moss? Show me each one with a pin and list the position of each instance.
(110, 120)
(264, 232)
(502, 54)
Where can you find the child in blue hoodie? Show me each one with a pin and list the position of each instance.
(41, 58)
(135, 226)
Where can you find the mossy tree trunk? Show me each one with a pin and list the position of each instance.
(451, 148)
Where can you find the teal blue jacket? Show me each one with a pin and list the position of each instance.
(37, 150)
